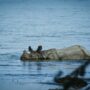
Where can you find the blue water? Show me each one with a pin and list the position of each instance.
(50, 23)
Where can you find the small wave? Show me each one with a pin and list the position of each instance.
(9, 65)
(49, 83)
(23, 75)
(2, 54)
(44, 36)
(9, 56)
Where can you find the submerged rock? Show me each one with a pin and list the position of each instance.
(75, 52)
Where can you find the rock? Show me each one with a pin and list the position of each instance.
(75, 52)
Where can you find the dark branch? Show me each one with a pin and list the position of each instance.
(80, 71)
(72, 80)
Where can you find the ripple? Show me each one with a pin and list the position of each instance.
(24, 75)
(7, 65)
(9, 56)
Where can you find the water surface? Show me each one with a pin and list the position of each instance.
(51, 23)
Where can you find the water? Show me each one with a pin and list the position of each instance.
(51, 23)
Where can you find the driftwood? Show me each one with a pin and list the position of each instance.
(73, 79)
(75, 52)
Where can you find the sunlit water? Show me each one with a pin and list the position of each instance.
(51, 23)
